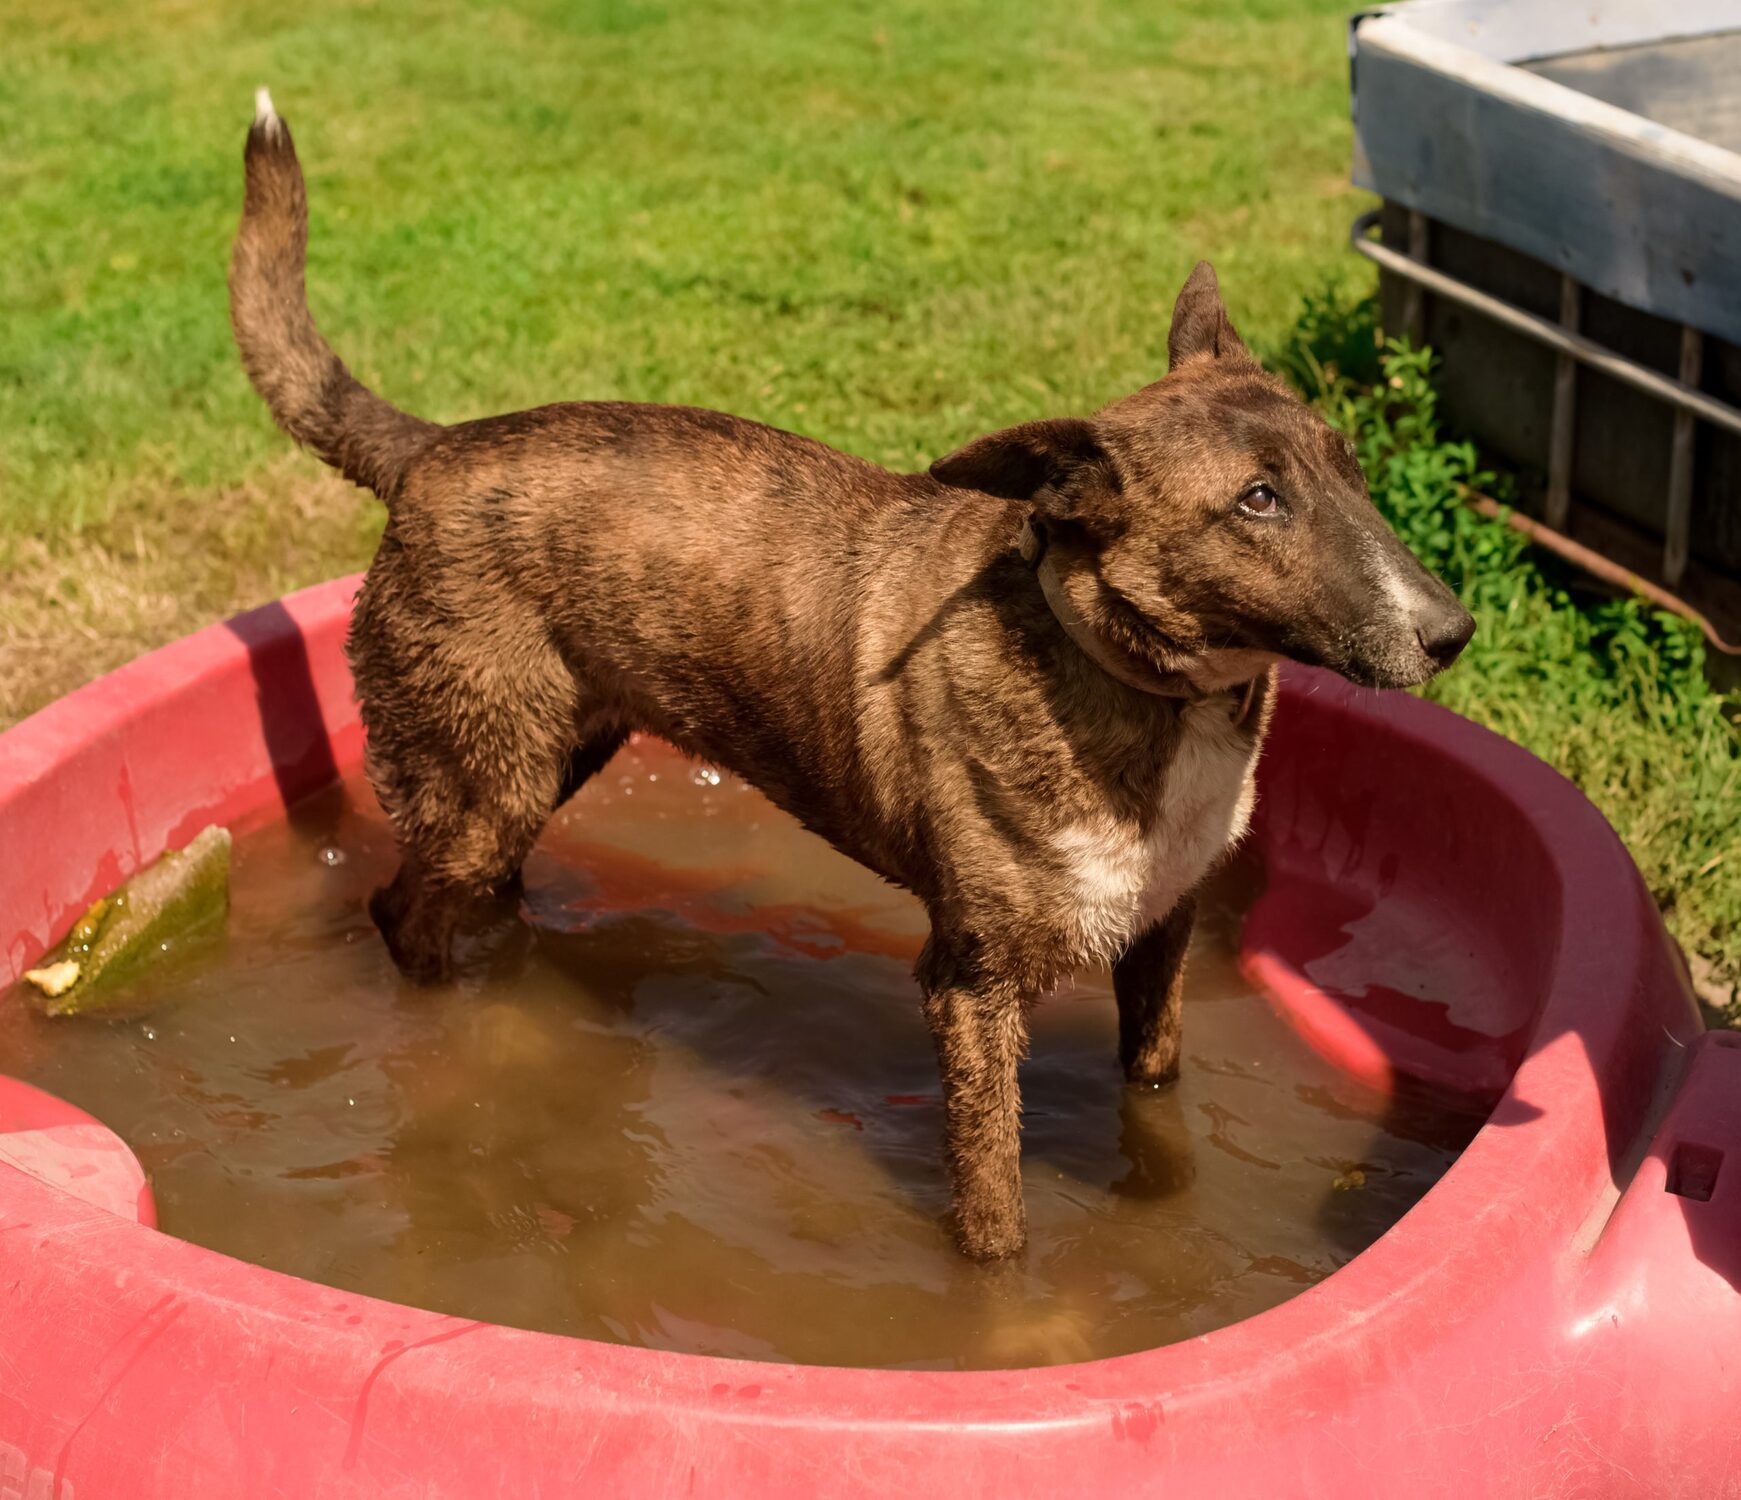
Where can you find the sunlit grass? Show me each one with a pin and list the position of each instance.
(890, 225)
(887, 225)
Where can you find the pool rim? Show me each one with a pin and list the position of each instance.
(1478, 1226)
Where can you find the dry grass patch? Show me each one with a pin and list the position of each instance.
(164, 564)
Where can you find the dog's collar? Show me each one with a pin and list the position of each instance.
(1117, 663)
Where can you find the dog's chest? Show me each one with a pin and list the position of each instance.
(1124, 877)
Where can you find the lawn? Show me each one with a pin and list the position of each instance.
(890, 226)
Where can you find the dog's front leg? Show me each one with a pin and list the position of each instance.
(980, 1027)
(1149, 980)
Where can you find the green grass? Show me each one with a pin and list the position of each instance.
(891, 226)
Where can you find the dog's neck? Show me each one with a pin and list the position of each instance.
(1114, 660)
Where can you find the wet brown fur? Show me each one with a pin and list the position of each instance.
(869, 649)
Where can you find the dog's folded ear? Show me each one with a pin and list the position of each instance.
(1055, 465)
(1200, 322)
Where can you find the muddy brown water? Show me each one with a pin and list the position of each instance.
(687, 1101)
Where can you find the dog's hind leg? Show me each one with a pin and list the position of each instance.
(465, 821)
(469, 737)
(588, 758)
(1149, 980)
(462, 837)
(585, 761)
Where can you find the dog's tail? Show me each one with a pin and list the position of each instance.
(312, 395)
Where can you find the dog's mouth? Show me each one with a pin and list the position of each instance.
(1392, 647)
(1401, 669)
(1383, 654)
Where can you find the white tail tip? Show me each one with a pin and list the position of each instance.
(264, 113)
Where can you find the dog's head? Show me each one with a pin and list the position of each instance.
(1213, 521)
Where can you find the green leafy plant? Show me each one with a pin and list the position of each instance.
(1610, 691)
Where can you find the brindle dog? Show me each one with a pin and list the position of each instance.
(1029, 685)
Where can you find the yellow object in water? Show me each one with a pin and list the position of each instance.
(180, 898)
(55, 979)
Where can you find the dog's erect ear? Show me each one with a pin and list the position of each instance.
(1052, 464)
(1200, 322)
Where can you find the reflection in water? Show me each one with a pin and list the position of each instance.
(687, 1101)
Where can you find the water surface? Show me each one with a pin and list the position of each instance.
(685, 1100)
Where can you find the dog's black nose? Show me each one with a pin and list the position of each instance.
(1444, 632)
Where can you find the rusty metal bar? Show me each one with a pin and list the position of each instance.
(1559, 501)
(1594, 562)
(1680, 466)
(1682, 396)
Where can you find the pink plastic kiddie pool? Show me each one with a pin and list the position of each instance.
(1559, 1316)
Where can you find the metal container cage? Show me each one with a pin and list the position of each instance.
(1562, 223)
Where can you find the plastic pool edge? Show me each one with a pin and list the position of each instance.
(1469, 1339)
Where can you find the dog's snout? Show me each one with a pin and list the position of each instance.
(1443, 631)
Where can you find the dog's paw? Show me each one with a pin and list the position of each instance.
(1153, 1068)
(988, 1233)
(421, 963)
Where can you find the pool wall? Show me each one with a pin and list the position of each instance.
(1557, 1316)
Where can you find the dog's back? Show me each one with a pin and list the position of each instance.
(762, 601)
(747, 593)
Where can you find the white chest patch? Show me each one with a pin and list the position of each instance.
(1125, 880)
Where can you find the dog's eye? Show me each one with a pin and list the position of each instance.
(1260, 500)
